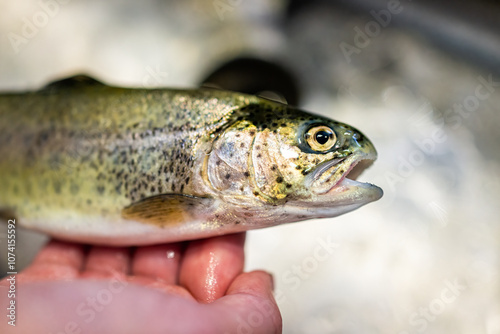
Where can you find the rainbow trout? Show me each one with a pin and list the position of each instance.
(91, 163)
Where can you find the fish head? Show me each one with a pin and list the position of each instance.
(292, 164)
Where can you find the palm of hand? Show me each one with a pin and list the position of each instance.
(199, 288)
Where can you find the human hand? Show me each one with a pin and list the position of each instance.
(199, 288)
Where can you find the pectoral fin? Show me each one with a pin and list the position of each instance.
(168, 209)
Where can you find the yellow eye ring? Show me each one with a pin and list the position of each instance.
(320, 138)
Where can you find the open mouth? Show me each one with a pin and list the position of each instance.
(337, 174)
(347, 184)
(353, 172)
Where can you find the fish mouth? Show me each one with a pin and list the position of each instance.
(355, 169)
(338, 178)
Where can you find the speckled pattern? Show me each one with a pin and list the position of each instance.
(93, 147)
(78, 150)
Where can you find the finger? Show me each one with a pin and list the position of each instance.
(250, 299)
(57, 260)
(107, 262)
(160, 262)
(209, 266)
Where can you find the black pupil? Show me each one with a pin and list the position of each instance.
(322, 137)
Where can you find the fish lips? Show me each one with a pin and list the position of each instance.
(344, 189)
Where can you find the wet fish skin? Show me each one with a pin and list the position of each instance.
(91, 163)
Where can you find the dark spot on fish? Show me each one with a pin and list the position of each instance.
(118, 188)
(288, 185)
(100, 189)
(236, 222)
(228, 176)
(304, 172)
(252, 133)
(256, 193)
(273, 167)
(247, 174)
(274, 125)
(57, 186)
(259, 155)
(74, 188)
(279, 179)
(187, 180)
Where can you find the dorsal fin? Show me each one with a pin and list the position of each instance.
(74, 81)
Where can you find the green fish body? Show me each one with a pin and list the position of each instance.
(86, 162)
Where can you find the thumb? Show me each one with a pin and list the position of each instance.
(250, 301)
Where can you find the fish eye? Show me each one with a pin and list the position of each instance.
(320, 138)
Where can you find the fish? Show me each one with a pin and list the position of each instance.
(87, 162)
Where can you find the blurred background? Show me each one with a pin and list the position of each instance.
(420, 78)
